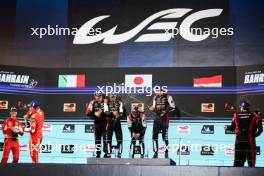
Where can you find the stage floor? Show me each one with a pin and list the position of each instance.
(129, 161)
(122, 169)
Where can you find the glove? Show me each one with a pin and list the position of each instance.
(136, 135)
(98, 113)
(151, 108)
(15, 129)
(116, 114)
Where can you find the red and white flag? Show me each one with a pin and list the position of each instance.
(214, 81)
(71, 81)
(138, 80)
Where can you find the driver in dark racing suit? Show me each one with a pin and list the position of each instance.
(247, 126)
(162, 105)
(136, 122)
(114, 111)
(96, 110)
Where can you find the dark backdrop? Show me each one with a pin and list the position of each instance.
(18, 47)
(179, 80)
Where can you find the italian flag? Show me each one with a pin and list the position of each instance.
(68, 81)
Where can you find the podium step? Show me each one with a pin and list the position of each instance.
(121, 170)
(130, 161)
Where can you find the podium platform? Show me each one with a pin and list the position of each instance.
(130, 161)
(121, 170)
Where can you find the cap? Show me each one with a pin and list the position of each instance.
(12, 109)
(34, 104)
(245, 105)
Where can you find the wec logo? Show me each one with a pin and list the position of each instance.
(167, 28)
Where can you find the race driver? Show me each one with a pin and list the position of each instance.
(96, 110)
(11, 128)
(36, 121)
(114, 111)
(162, 105)
(247, 126)
(136, 122)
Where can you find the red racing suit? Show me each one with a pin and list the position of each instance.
(247, 127)
(11, 139)
(36, 124)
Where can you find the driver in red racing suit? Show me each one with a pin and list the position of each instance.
(37, 117)
(11, 127)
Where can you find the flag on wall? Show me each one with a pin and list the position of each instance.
(214, 81)
(71, 81)
(140, 80)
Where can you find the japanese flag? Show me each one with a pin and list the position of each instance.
(144, 80)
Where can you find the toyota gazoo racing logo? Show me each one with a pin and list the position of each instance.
(184, 29)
